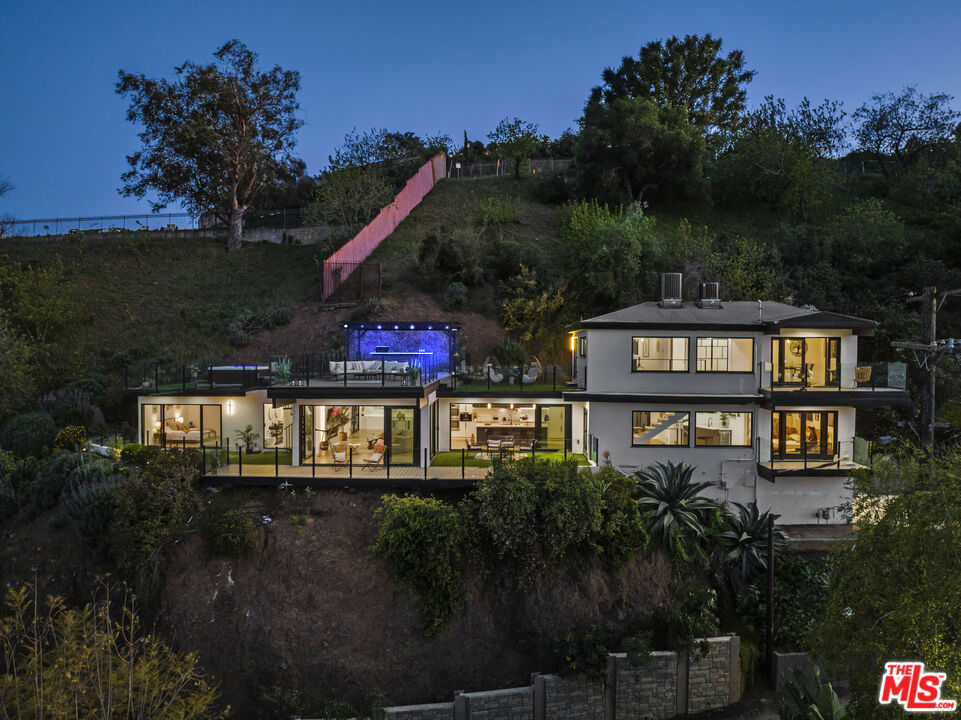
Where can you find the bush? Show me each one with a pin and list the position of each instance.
(454, 297)
(72, 437)
(71, 406)
(622, 532)
(421, 540)
(151, 508)
(582, 652)
(510, 352)
(532, 513)
(137, 454)
(230, 532)
(89, 508)
(692, 616)
(42, 491)
(15, 473)
(278, 317)
(237, 332)
(497, 211)
(29, 434)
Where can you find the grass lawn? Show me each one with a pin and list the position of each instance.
(453, 459)
(507, 389)
(262, 458)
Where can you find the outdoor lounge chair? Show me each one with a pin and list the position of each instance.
(530, 377)
(340, 455)
(493, 375)
(376, 457)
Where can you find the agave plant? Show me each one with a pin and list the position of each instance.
(282, 368)
(744, 542)
(678, 514)
(808, 697)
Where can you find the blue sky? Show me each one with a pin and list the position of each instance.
(421, 66)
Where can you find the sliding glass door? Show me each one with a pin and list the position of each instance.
(795, 435)
(806, 362)
(358, 432)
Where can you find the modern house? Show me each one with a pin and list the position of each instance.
(398, 394)
(761, 397)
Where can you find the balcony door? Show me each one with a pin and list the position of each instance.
(796, 435)
(806, 362)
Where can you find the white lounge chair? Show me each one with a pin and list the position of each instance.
(530, 377)
(493, 375)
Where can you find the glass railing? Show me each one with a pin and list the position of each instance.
(850, 454)
(862, 376)
(532, 377)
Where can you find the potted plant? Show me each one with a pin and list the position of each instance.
(413, 373)
(282, 369)
(249, 439)
(337, 417)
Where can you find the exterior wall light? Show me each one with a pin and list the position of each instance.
(230, 407)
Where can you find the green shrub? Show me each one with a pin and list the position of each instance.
(152, 506)
(238, 331)
(42, 491)
(622, 532)
(421, 539)
(800, 595)
(230, 532)
(72, 437)
(137, 454)
(690, 617)
(532, 512)
(28, 434)
(497, 211)
(582, 652)
(89, 508)
(454, 297)
(15, 474)
(808, 697)
(510, 352)
(71, 406)
(278, 317)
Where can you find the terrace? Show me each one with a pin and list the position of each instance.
(812, 459)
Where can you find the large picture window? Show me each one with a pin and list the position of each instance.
(806, 362)
(660, 354)
(181, 425)
(725, 355)
(804, 434)
(654, 427)
(731, 429)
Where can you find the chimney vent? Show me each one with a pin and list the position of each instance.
(670, 290)
(710, 295)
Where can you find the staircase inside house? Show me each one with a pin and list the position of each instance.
(655, 430)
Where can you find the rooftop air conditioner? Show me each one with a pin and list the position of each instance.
(710, 295)
(670, 290)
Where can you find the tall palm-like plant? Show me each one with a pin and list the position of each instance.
(744, 542)
(677, 513)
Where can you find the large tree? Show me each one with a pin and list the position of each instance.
(216, 136)
(688, 74)
(516, 140)
(631, 146)
(898, 127)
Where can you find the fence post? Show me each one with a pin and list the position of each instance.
(425, 464)
(565, 447)
(156, 376)
(533, 450)
(520, 376)
(488, 378)
(554, 369)
(463, 458)
(350, 462)
(276, 461)
(203, 465)
(387, 458)
(240, 462)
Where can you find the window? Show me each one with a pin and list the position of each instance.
(278, 427)
(804, 434)
(725, 354)
(806, 362)
(652, 427)
(583, 347)
(660, 354)
(732, 429)
(183, 425)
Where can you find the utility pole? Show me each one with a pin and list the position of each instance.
(927, 353)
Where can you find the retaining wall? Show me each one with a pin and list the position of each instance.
(667, 685)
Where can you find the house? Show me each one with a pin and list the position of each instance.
(761, 397)
(397, 394)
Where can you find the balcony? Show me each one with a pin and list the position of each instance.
(868, 384)
(844, 458)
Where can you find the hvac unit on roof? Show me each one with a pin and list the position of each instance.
(670, 290)
(710, 295)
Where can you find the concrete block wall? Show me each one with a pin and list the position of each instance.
(646, 692)
(432, 711)
(667, 685)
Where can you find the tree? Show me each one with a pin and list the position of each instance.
(783, 158)
(896, 591)
(689, 75)
(216, 137)
(515, 139)
(6, 220)
(632, 146)
(95, 661)
(532, 311)
(900, 126)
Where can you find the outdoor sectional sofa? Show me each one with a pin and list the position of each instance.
(369, 368)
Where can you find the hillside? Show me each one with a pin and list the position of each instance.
(311, 615)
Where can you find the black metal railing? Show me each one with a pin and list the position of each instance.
(519, 378)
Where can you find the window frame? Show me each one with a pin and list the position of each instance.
(666, 412)
(729, 412)
(726, 372)
(687, 355)
(777, 368)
